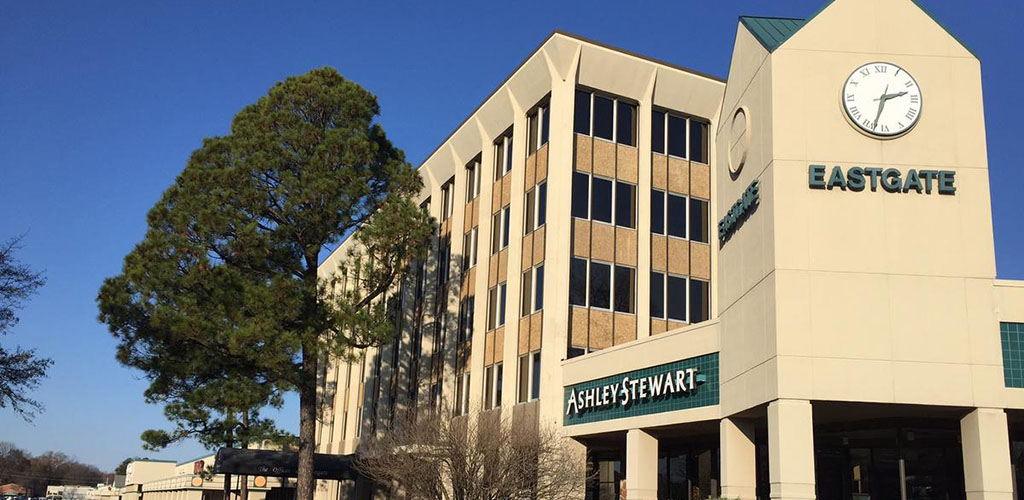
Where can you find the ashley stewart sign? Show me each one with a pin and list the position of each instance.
(680, 385)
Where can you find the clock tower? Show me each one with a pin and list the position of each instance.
(853, 278)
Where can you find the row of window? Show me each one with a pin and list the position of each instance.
(597, 198)
(601, 285)
(668, 216)
(669, 134)
(669, 298)
(605, 117)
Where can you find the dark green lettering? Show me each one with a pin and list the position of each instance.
(816, 176)
(912, 182)
(874, 173)
(928, 175)
(855, 179)
(891, 180)
(946, 178)
(836, 179)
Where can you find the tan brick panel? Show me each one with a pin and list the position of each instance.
(603, 242)
(678, 256)
(627, 164)
(584, 153)
(604, 158)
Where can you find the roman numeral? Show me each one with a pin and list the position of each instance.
(884, 128)
(901, 124)
(881, 69)
(849, 97)
(854, 112)
(914, 98)
(867, 123)
(910, 83)
(911, 113)
(853, 82)
(865, 72)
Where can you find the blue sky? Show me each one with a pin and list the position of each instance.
(101, 104)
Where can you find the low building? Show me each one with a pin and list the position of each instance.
(777, 285)
(192, 480)
(12, 490)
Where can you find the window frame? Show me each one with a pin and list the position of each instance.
(447, 199)
(531, 224)
(470, 255)
(688, 287)
(500, 233)
(473, 179)
(528, 295)
(503, 165)
(614, 195)
(493, 375)
(461, 406)
(539, 116)
(497, 295)
(612, 284)
(528, 388)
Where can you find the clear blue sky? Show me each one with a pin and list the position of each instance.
(101, 104)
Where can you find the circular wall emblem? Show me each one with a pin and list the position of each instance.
(739, 140)
(197, 481)
(259, 481)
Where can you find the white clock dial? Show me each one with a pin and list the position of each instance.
(882, 99)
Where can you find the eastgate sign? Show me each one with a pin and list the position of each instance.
(688, 383)
(891, 180)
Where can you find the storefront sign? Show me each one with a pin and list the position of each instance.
(891, 180)
(739, 211)
(689, 383)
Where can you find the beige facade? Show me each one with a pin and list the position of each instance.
(191, 480)
(790, 338)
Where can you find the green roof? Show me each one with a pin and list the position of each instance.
(772, 31)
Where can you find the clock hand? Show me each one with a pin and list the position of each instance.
(881, 105)
(891, 96)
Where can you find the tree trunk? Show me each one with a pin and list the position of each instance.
(307, 425)
(243, 480)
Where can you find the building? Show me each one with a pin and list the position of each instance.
(12, 490)
(781, 285)
(192, 480)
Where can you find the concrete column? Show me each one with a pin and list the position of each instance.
(791, 449)
(986, 447)
(641, 465)
(739, 459)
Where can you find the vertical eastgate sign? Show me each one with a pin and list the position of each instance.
(680, 385)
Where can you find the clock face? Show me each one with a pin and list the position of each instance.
(882, 99)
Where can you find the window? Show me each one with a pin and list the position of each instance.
(625, 120)
(537, 122)
(604, 114)
(675, 294)
(600, 285)
(532, 299)
(676, 215)
(473, 179)
(601, 200)
(677, 136)
(605, 117)
(658, 132)
(581, 113)
(698, 141)
(536, 208)
(496, 307)
(499, 230)
(580, 195)
(492, 386)
(625, 204)
(461, 395)
(504, 227)
(657, 211)
(657, 295)
(578, 282)
(469, 249)
(444, 260)
(700, 300)
(529, 377)
(447, 199)
(698, 220)
(625, 289)
(503, 155)
(466, 319)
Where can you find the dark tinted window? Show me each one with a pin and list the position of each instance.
(657, 211)
(601, 200)
(542, 204)
(698, 220)
(580, 195)
(544, 125)
(538, 279)
(677, 136)
(657, 295)
(700, 301)
(535, 385)
(508, 155)
(698, 141)
(578, 282)
(603, 117)
(600, 285)
(625, 204)
(626, 126)
(581, 114)
(529, 206)
(504, 236)
(676, 216)
(676, 298)
(658, 132)
(625, 289)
